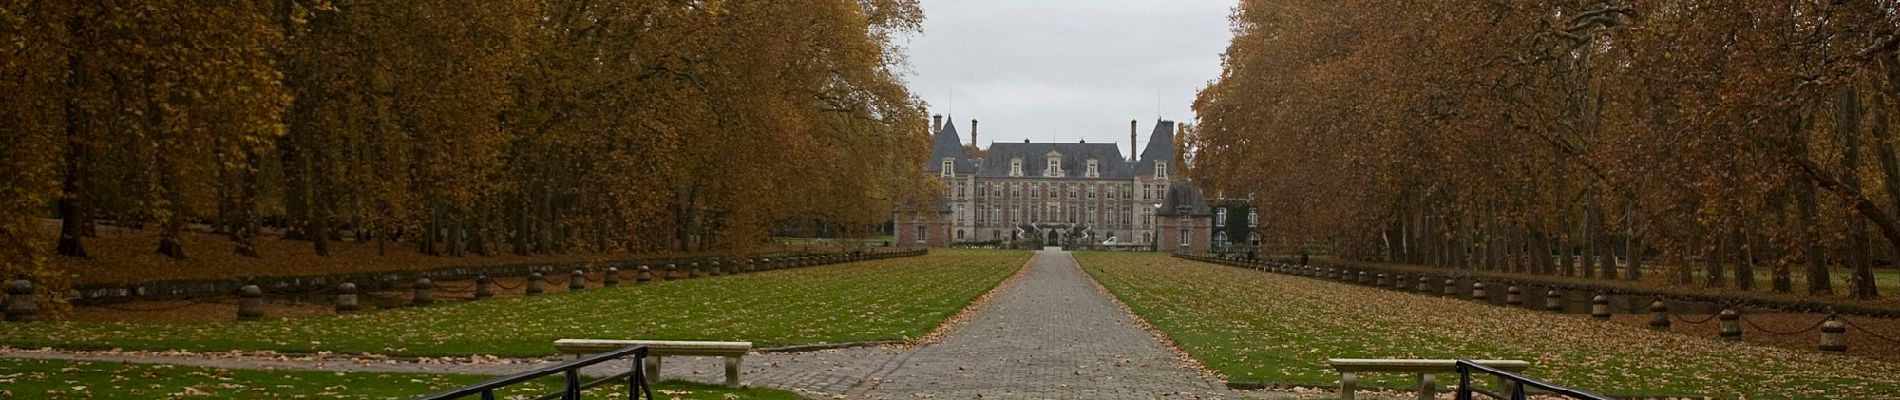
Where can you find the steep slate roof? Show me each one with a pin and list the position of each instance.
(1183, 193)
(1109, 163)
(1160, 148)
(948, 145)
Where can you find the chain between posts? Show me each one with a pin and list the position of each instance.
(1811, 328)
(1869, 332)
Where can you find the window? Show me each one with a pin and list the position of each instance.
(1147, 192)
(1015, 167)
(949, 167)
(1055, 167)
(1035, 191)
(1253, 239)
(1092, 172)
(1184, 237)
(1220, 217)
(961, 217)
(961, 191)
(1091, 191)
(959, 234)
(922, 233)
(1220, 239)
(1253, 219)
(1072, 191)
(1015, 191)
(1161, 170)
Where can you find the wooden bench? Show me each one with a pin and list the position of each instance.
(732, 351)
(1427, 386)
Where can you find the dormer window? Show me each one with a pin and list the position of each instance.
(1016, 167)
(949, 167)
(1161, 170)
(1092, 171)
(1055, 165)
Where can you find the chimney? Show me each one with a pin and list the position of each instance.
(973, 131)
(936, 123)
(1132, 150)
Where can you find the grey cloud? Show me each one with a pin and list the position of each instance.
(1083, 68)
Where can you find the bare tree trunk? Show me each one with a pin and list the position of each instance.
(1848, 114)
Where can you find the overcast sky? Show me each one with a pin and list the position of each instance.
(1049, 70)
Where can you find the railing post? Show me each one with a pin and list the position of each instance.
(692, 270)
(1731, 324)
(643, 275)
(1381, 281)
(346, 300)
(534, 284)
(612, 278)
(1833, 335)
(1363, 279)
(21, 304)
(250, 303)
(422, 296)
(484, 287)
(716, 269)
(1658, 315)
(1554, 301)
(1513, 296)
(671, 269)
(1451, 287)
(576, 280)
(1422, 285)
(1478, 294)
(1600, 307)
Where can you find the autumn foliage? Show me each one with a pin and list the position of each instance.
(454, 127)
(1706, 141)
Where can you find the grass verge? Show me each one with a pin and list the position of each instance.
(889, 299)
(55, 379)
(1258, 327)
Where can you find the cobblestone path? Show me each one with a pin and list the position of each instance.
(1050, 335)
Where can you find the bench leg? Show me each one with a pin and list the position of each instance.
(1506, 388)
(732, 371)
(1346, 386)
(1427, 386)
(653, 369)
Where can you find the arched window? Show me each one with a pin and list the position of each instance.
(1220, 239)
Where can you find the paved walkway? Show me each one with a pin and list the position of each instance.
(1050, 334)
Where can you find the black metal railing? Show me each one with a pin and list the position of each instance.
(571, 386)
(1512, 384)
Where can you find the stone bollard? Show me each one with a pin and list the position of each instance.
(21, 305)
(1600, 307)
(250, 303)
(1477, 292)
(1398, 282)
(1451, 287)
(1362, 278)
(670, 271)
(692, 270)
(1422, 282)
(1513, 296)
(484, 287)
(1554, 301)
(612, 278)
(1833, 336)
(534, 284)
(423, 296)
(1380, 280)
(1658, 315)
(1731, 324)
(715, 269)
(346, 300)
(765, 264)
(643, 274)
(576, 280)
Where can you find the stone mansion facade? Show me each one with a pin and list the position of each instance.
(1057, 193)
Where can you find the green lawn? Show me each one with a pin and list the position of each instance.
(51, 379)
(1258, 327)
(888, 299)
